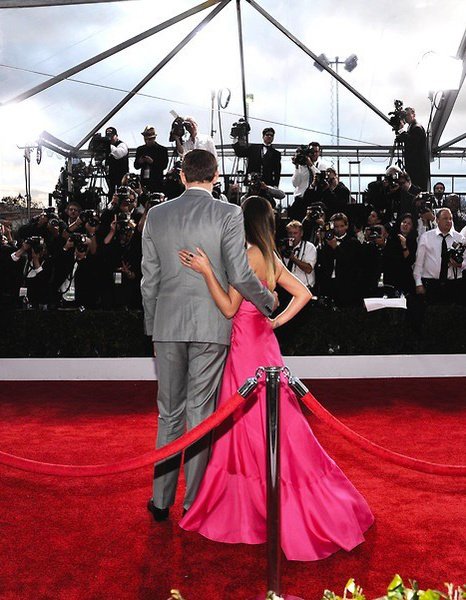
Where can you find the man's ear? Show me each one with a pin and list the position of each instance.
(183, 178)
(216, 176)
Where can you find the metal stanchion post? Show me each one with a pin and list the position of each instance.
(272, 379)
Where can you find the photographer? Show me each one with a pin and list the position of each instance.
(263, 158)
(257, 187)
(390, 194)
(416, 157)
(400, 255)
(121, 265)
(307, 165)
(426, 220)
(300, 256)
(440, 261)
(48, 226)
(313, 223)
(195, 140)
(123, 205)
(152, 160)
(35, 267)
(338, 272)
(76, 278)
(372, 259)
(331, 192)
(452, 201)
(86, 223)
(116, 160)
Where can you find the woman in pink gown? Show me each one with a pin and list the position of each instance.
(321, 511)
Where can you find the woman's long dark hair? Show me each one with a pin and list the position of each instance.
(259, 225)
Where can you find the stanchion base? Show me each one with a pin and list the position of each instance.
(284, 596)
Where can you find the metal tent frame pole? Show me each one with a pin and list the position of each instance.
(154, 71)
(309, 52)
(110, 52)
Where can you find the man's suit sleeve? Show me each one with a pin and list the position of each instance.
(150, 267)
(240, 275)
(278, 170)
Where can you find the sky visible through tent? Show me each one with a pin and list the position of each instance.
(390, 38)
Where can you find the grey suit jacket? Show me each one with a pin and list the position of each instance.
(177, 304)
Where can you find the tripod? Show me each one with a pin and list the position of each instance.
(98, 184)
(237, 177)
(397, 154)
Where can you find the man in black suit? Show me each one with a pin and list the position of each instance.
(415, 150)
(152, 159)
(262, 158)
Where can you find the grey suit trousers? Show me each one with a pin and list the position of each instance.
(189, 376)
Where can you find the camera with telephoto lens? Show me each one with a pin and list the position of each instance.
(373, 233)
(397, 116)
(99, 147)
(300, 155)
(89, 216)
(35, 243)
(52, 218)
(240, 129)
(79, 241)
(456, 252)
(286, 247)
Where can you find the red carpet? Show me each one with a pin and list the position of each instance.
(92, 538)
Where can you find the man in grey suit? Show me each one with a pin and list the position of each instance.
(190, 334)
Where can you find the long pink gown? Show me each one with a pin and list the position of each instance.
(321, 510)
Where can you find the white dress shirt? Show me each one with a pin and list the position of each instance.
(306, 252)
(201, 142)
(119, 151)
(302, 177)
(429, 254)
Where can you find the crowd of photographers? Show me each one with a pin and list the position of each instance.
(399, 240)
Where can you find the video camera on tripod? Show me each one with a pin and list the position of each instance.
(398, 117)
(99, 147)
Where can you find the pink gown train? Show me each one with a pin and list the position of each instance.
(321, 511)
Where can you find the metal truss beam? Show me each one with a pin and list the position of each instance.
(37, 3)
(324, 66)
(103, 55)
(154, 71)
(446, 104)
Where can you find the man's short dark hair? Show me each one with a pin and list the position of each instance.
(200, 166)
(340, 217)
(439, 183)
(314, 144)
(268, 130)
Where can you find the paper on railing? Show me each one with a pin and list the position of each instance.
(377, 303)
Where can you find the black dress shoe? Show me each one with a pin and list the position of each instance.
(159, 514)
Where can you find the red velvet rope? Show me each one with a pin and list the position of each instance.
(207, 425)
(142, 460)
(394, 457)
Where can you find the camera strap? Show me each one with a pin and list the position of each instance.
(299, 256)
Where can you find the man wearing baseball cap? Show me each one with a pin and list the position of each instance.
(152, 159)
(117, 160)
(262, 158)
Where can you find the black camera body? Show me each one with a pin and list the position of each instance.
(286, 247)
(456, 252)
(123, 193)
(253, 182)
(89, 216)
(373, 233)
(398, 115)
(426, 206)
(133, 181)
(314, 212)
(392, 180)
(154, 199)
(321, 180)
(328, 230)
(240, 129)
(99, 147)
(36, 243)
(179, 128)
(301, 154)
(79, 241)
